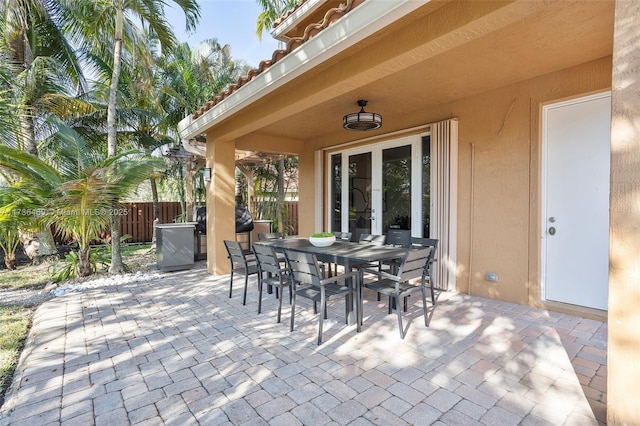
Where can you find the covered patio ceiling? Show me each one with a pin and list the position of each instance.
(424, 62)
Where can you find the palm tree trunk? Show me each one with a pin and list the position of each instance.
(27, 134)
(112, 144)
(84, 262)
(155, 199)
(46, 244)
(10, 261)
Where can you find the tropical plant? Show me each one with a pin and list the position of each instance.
(188, 78)
(40, 79)
(271, 183)
(14, 217)
(41, 70)
(77, 195)
(271, 10)
(109, 25)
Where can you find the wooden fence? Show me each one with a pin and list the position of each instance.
(138, 219)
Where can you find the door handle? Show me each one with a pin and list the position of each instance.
(552, 230)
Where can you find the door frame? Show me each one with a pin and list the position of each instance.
(544, 180)
(376, 180)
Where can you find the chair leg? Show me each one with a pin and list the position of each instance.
(346, 309)
(231, 284)
(246, 284)
(424, 306)
(259, 293)
(293, 310)
(358, 310)
(361, 295)
(433, 297)
(392, 303)
(279, 306)
(323, 302)
(400, 319)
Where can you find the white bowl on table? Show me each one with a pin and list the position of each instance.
(322, 241)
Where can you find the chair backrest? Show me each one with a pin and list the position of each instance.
(376, 240)
(399, 237)
(414, 263)
(343, 236)
(236, 254)
(267, 259)
(426, 242)
(303, 267)
(270, 236)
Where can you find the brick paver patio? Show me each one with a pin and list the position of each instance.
(177, 350)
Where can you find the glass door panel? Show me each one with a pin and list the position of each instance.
(336, 193)
(359, 194)
(396, 188)
(426, 186)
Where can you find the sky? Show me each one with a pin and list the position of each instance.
(232, 22)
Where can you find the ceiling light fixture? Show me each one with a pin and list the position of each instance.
(362, 120)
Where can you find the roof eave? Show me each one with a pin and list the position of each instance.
(301, 12)
(365, 20)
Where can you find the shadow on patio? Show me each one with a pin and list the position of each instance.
(178, 350)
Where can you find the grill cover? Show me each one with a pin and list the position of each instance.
(244, 221)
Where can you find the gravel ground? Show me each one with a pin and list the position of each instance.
(25, 297)
(142, 267)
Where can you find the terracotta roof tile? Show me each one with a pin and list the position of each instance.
(310, 31)
(289, 13)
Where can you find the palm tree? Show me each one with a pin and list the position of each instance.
(77, 194)
(192, 76)
(41, 78)
(41, 70)
(111, 24)
(188, 78)
(271, 10)
(15, 215)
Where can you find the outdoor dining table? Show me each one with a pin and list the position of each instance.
(343, 253)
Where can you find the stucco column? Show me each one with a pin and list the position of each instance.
(623, 359)
(220, 204)
(306, 192)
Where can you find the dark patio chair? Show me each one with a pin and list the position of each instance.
(340, 236)
(398, 237)
(343, 236)
(273, 273)
(400, 285)
(373, 239)
(417, 242)
(305, 271)
(241, 263)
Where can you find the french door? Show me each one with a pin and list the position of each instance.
(378, 187)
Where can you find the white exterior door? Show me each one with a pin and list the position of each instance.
(575, 213)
